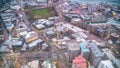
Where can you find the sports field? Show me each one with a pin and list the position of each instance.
(41, 12)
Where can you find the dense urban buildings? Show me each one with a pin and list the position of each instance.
(59, 34)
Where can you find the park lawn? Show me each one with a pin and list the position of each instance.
(41, 12)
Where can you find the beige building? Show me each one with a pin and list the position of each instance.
(31, 36)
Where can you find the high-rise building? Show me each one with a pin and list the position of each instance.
(96, 55)
(105, 64)
(73, 50)
(85, 52)
(111, 56)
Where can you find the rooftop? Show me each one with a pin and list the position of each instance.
(34, 64)
(14, 42)
(40, 26)
(31, 34)
(80, 62)
(50, 31)
(4, 49)
(34, 43)
(95, 50)
(72, 45)
(106, 63)
(84, 46)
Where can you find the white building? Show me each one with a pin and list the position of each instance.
(33, 64)
(24, 66)
(16, 7)
(21, 29)
(14, 42)
(110, 55)
(42, 23)
(105, 64)
(34, 43)
(30, 36)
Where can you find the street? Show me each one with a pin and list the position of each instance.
(41, 54)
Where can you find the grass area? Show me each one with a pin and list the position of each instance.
(41, 12)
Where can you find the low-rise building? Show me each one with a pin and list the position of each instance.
(50, 33)
(56, 31)
(98, 18)
(34, 64)
(79, 62)
(30, 36)
(15, 7)
(49, 24)
(81, 35)
(36, 43)
(21, 31)
(14, 43)
(24, 66)
(1, 34)
(9, 19)
(85, 18)
(48, 64)
(100, 32)
(117, 17)
(42, 24)
(76, 21)
(4, 49)
(39, 26)
(111, 56)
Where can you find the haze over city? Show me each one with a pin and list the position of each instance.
(59, 33)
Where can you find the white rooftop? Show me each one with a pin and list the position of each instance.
(22, 24)
(39, 26)
(25, 66)
(9, 26)
(73, 28)
(73, 45)
(110, 55)
(23, 33)
(31, 34)
(76, 19)
(15, 7)
(106, 63)
(34, 43)
(13, 41)
(34, 64)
